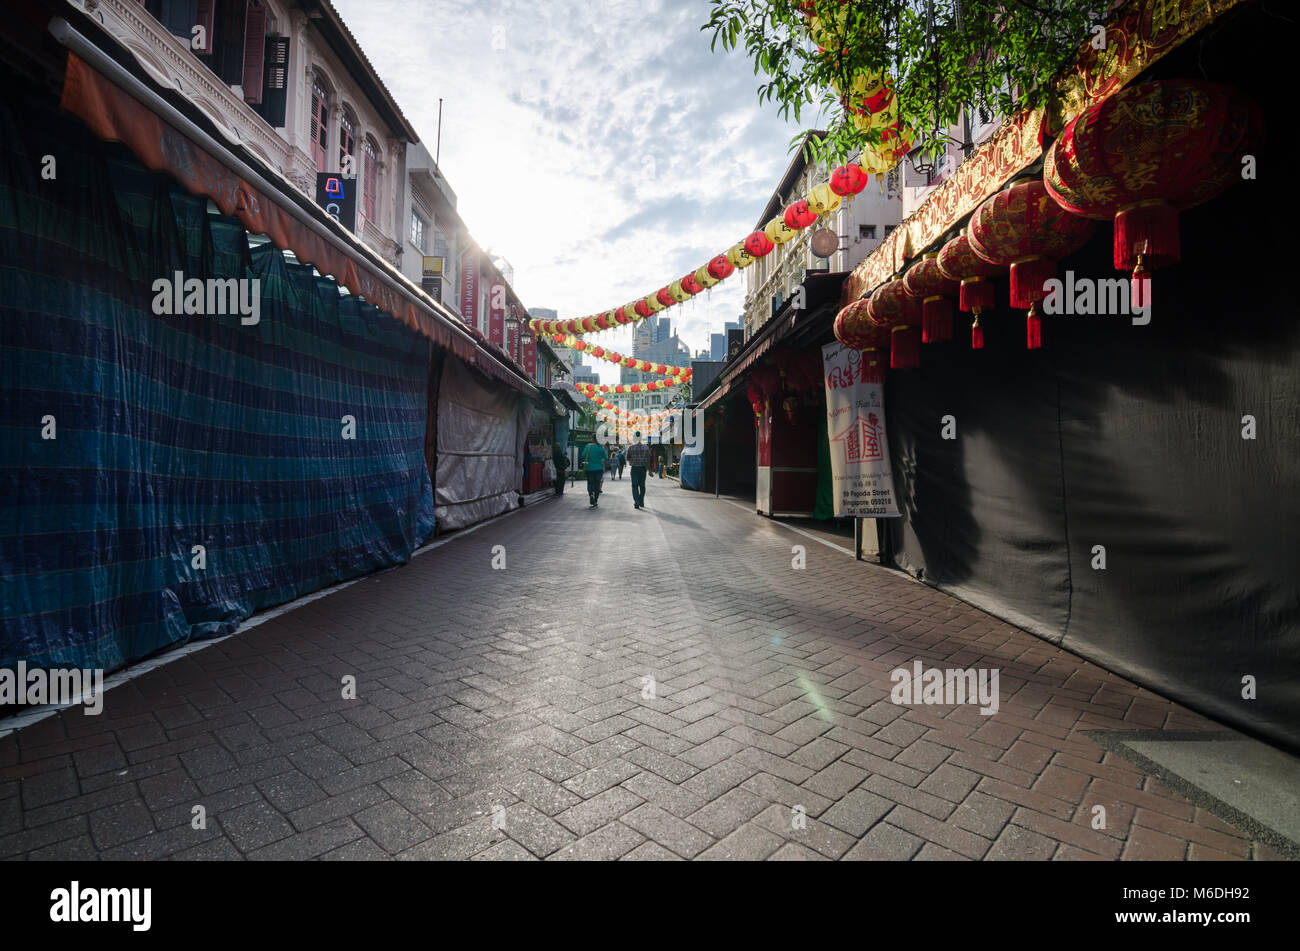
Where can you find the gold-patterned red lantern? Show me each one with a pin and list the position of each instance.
(958, 262)
(925, 282)
(1144, 154)
(1023, 228)
(899, 312)
(854, 329)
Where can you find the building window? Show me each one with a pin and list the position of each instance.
(371, 186)
(889, 229)
(347, 142)
(866, 232)
(419, 231)
(320, 123)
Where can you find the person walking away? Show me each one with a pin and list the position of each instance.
(594, 460)
(639, 457)
(622, 461)
(561, 462)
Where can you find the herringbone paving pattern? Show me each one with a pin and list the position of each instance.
(644, 685)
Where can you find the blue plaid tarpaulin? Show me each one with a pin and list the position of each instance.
(171, 432)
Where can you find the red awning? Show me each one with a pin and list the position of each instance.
(116, 116)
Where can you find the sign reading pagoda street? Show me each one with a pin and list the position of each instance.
(862, 481)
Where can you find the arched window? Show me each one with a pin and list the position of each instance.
(370, 191)
(347, 141)
(320, 122)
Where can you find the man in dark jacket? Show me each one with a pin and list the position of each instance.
(639, 457)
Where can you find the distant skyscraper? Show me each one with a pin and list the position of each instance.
(718, 342)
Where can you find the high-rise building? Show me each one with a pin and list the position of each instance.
(718, 342)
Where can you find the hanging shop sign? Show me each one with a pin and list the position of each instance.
(862, 481)
(431, 277)
(338, 196)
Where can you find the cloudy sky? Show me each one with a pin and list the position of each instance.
(601, 147)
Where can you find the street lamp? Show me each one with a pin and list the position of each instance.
(512, 329)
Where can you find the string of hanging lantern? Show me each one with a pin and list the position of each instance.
(675, 373)
(845, 182)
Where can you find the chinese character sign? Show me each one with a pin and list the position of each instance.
(862, 481)
(497, 313)
(469, 288)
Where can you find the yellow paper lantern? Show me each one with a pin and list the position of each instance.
(703, 277)
(777, 231)
(654, 304)
(677, 292)
(823, 201)
(739, 257)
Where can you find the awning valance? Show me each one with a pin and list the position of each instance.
(203, 166)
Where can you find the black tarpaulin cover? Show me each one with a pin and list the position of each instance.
(1129, 437)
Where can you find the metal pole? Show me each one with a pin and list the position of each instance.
(437, 149)
(857, 538)
(717, 460)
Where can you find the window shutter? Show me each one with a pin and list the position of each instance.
(254, 53)
(275, 79)
(178, 16)
(205, 16)
(229, 64)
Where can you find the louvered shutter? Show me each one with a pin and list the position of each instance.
(254, 53)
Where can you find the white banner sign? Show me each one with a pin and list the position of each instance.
(861, 478)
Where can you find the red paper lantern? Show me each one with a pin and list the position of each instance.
(958, 262)
(759, 244)
(893, 308)
(665, 297)
(848, 179)
(799, 216)
(1025, 229)
(620, 315)
(721, 268)
(925, 282)
(691, 285)
(854, 329)
(642, 308)
(1144, 154)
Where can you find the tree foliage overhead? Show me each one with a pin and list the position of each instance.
(943, 56)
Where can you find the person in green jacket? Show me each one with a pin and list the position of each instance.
(593, 460)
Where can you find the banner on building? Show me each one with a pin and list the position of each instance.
(862, 481)
(469, 288)
(497, 313)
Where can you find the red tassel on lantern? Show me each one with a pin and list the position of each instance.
(873, 368)
(936, 320)
(1140, 288)
(1027, 279)
(1034, 328)
(904, 348)
(976, 333)
(976, 294)
(1149, 225)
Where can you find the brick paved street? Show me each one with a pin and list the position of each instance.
(501, 715)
